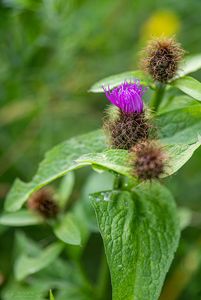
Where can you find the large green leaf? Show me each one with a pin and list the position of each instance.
(178, 155)
(58, 161)
(180, 125)
(65, 189)
(115, 80)
(189, 86)
(191, 64)
(140, 231)
(177, 102)
(20, 218)
(67, 230)
(26, 265)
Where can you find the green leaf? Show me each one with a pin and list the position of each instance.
(58, 161)
(178, 155)
(94, 183)
(140, 232)
(65, 189)
(20, 218)
(189, 86)
(67, 230)
(177, 102)
(115, 80)
(16, 291)
(185, 216)
(51, 296)
(191, 64)
(26, 265)
(180, 125)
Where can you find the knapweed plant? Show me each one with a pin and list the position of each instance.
(150, 130)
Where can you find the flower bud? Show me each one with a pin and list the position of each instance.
(148, 160)
(43, 203)
(161, 58)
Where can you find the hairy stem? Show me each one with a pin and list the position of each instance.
(157, 97)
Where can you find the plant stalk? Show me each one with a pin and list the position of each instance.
(157, 97)
(118, 182)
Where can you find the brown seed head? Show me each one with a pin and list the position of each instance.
(125, 130)
(43, 203)
(161, 58)
(148, 160)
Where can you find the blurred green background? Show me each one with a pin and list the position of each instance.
(51, 52)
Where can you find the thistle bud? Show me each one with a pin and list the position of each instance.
(161, 58)
(43, 203)
(148, 160)
(127, 124)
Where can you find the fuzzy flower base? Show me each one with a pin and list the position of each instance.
(161, 58)
(148, 160)
(125, 130)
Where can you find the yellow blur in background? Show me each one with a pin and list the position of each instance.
(161, 23)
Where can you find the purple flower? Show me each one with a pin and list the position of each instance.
(127, 96)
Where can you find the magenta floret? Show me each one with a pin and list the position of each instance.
(127, 96)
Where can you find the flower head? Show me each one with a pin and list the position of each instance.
(127, 96)
(161, 58)
(149, 160)
(43, 203)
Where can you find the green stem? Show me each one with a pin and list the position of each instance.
(157, 97)
(103, 278)
(118, 182)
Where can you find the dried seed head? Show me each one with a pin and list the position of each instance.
(161, 58)
(148, 160)
(43, 203)
(125, 130)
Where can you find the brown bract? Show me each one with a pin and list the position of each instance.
(148, 160)
(43, 203)
(161, 58)
(125, 130)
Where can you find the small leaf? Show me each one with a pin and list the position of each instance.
(67, 230)
(51, 296)
(65, 189)
(26, 265)
(20, 218)
(140, 231)
(185, 216)
(115, 80)
(191, 64)
(189, 86)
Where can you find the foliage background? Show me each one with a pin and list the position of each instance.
(51, 51)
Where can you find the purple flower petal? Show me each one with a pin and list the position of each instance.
(127, 96)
